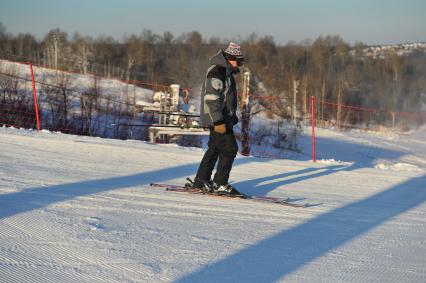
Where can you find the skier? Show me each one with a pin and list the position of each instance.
(218, 113)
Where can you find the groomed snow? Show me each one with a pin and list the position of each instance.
(80, 209)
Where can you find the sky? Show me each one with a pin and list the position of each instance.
(368, 21)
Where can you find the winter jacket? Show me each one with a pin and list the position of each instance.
(219, 95)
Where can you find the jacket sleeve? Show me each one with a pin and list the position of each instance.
(214, 98)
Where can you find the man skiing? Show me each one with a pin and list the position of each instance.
(218, 113)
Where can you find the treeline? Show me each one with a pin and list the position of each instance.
(328, 68)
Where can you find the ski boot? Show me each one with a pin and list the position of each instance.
(228, 190)
(203, 186)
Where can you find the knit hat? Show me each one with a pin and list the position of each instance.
(233, 52)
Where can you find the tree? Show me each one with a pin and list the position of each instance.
(5, 41)
(82, 52)
(107, 54)
(55, 50)
(89, 105)
(150, 40)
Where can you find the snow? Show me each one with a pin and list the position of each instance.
(80, 209)
(371, 149)
(113, 88)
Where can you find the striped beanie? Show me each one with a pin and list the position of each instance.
(233, 52)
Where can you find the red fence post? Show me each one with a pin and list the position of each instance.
(313, 129)
(35, 97)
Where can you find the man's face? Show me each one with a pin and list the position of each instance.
(235, 63)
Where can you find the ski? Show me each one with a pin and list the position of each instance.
(263, 199)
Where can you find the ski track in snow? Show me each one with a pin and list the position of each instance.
(80, 209)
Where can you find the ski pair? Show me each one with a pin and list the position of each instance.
(263, 199)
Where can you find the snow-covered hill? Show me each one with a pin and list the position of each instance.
(80, 209)
(109, 88)
(403, 49)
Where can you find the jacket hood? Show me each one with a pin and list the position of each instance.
(219, 59)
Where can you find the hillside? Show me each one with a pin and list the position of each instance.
(80, 209)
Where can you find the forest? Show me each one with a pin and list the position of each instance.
(328, 68)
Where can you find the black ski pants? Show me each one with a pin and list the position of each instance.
(223, 147)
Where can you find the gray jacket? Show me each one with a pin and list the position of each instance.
(219, 95)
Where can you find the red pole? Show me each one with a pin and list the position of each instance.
(313, 129)
(35, 97)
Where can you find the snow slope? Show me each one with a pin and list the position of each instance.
(80, 209)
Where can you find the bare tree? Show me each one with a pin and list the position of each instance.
(82, 52)
(55, 46)
(89, 104)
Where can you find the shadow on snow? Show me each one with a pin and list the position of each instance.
(277, 256)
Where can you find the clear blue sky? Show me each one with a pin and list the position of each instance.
(368, 21)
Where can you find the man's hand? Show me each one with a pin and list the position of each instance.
(220, 129)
